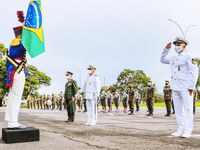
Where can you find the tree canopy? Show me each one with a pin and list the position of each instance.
(35, 80)
(137, 78)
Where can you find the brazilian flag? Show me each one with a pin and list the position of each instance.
(32, 35)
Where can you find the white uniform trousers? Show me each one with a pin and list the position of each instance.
(92, 111)
(183, 104)
(14, 100)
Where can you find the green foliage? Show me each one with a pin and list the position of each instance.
(137, 78)
(113, 88)
(3, 50)
(105, 88)
(3, 88)
(35, 80)
(159, 98)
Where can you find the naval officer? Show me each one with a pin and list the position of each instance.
(184, 73)
(92, 87)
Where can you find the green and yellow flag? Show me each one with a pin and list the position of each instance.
(32, 35)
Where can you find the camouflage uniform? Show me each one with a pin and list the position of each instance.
(131, 100)
(41, 102)
(28, 102)
(168, 98)
(71, 89)
(53, 101)
(34, 103)
(44, 100)
(48, 98)
(150, 99)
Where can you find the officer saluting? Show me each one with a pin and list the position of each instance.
(71, 89)
(92, 89)
(184, 72)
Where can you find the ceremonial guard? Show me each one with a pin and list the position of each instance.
(184, 77)
(92, 87)
(150, 98)
(15, 76)
(71, 89)
(168, 98)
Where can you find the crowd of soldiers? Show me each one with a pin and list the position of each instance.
(127, 98)
(108, 99)
(46, 102)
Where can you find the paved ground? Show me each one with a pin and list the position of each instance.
(113, 131)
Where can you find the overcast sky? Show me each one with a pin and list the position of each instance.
(110, 34)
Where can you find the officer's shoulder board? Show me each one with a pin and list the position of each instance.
(194, 61)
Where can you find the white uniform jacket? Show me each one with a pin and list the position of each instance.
(92, 87)
(184, 70)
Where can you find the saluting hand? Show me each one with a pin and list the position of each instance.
(169, 45)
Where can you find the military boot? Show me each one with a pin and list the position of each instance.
(150, 114)
(131, 113)
(168, 114)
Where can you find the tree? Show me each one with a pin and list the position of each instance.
(3, 88)
(137, 78)
(3, 50)
(104, 88)
(35, 80)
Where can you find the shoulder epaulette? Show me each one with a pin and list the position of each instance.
(15, 42)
